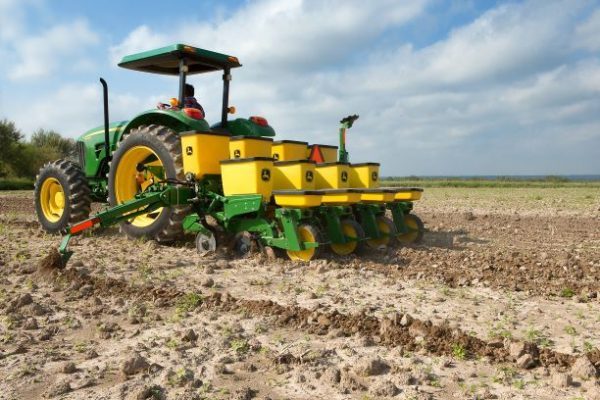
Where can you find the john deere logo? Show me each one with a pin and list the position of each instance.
(275, 156)
(189, 150)
(374, 176)
(344, 176)
(237, 153)
(309, 176)
(265, 174)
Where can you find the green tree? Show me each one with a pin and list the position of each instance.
(51, 140)
(10, 146)
(31, 158)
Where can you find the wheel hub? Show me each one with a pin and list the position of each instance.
(134, 175)
(52, 199)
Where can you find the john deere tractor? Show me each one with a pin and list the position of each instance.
(165, 171)
(118, 159)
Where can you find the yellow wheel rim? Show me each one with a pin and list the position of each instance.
(411, 236)
(343, 249)
(129, 182)
(52, 199)
(306, 235)
(383, 229)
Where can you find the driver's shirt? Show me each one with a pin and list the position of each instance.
(191, 102)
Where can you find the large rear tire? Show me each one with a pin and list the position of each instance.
(61, 195)
(157, 147)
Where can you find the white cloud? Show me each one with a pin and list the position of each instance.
(273, 33)
(588, 33)
(475, 101)
(41, 55)
(12, 16)
(510, 92)
(74, 109)
(140, 39)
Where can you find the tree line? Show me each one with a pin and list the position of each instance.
(20, 158)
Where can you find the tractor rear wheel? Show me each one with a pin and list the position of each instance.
(417, 229)
(62, 195)
(147, 155)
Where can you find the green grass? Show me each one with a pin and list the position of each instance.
(567, 293)
(459, 352)
(188, 303)
(500, 182)
(16, 184)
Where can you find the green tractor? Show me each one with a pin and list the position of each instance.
(167, 172)
(118, 160)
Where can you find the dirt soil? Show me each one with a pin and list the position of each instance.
(500, 301)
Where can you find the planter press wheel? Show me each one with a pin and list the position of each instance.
(351, 229)
(307, 233)
(386, 227)
(416, 227)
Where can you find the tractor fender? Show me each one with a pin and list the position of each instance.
(176, 120)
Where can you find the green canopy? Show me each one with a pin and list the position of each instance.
(166, 60)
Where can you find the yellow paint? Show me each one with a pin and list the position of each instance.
(52, 199)
(328, 152)
(245, 147)
(340, 197)
(128, 181)
(364, 176)
(407, 194)
(297, 200)
(285, 150)
(376, 196)
(293, 175)
(383, 228)
(203, 151)
(344, 249)
(332, 176)
(411, 236)
(306, 234)
(248, 176)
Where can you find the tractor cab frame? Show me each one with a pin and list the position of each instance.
(184, 60)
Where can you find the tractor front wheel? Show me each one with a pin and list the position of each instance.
(62, 195)
(148, 155)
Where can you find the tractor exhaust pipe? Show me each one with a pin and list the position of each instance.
(225, 109)
(106, 137)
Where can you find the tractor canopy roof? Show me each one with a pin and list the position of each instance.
(165, 60)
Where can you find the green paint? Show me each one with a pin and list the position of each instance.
(330, 217)
(165, 60)
(245, 127)
(367, 215)
(399, 209)
(193, 224)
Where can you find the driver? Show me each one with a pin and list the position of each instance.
(189, 101)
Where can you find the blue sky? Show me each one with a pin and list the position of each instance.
(442, 87)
